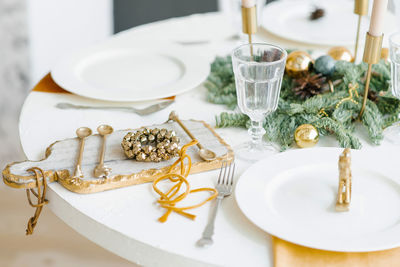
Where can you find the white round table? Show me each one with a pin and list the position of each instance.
(124, 221)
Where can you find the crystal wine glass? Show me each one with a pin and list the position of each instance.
(393, 133)
(258, 72)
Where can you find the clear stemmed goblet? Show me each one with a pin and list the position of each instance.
(258, 72)
(393, 133)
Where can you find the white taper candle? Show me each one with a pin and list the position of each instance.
(378, 17)
(248, 3)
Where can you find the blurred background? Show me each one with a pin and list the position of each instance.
(33, 36)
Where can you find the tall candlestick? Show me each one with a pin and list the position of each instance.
(378, 17)
(373, 43)
(249, 20)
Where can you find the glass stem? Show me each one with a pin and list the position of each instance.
(256, 132)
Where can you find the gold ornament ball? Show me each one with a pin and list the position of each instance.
(306, 135)
(340, 53)
(298, 63)
(385, 53)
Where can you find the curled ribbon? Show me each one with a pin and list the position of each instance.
(169, 199)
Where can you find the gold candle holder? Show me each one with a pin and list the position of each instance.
(372, 55)
(361, 9)
(249, 23)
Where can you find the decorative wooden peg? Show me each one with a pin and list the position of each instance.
(344, 189)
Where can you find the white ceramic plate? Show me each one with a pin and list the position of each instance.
(131, 73)
(290, 20)
(197, 28)
(292, 196)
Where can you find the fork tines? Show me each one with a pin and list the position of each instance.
(226, 173)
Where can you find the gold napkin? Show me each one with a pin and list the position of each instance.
(290, 255)
(47, 85)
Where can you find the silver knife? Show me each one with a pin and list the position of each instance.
(145, 111)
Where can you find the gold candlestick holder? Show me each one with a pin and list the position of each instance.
(372, 55)
(361, 9)
(249, 23)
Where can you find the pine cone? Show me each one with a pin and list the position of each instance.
(373, 96)
(270, 56)
(309, 85)
(317, 13)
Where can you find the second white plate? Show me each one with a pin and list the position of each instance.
(290, 20)
(292, 196)
(131, 73)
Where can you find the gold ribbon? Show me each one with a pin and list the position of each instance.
(41, 200)
(169, 199)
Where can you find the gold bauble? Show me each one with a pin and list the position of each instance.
(306, 135)
(340, 53)
(385, 53)
(298, 63)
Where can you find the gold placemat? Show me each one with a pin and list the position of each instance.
(48, 85)
(287, 254)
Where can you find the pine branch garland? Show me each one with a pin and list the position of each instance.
(372, 119)
(344, 136)
(292, 111)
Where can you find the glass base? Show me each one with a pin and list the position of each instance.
(250, 152)
(392, 134)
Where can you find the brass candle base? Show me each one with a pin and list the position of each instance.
(372, 55)
(249, 23)
(249, 20)
(361, 9)
(372, 50)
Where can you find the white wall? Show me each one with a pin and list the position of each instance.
(60, 27)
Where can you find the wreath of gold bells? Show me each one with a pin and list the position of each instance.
(151, 145)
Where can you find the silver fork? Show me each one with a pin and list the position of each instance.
(145, 111)
(224, 188)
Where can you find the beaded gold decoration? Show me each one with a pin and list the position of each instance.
(352, 92)
(151, 145)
